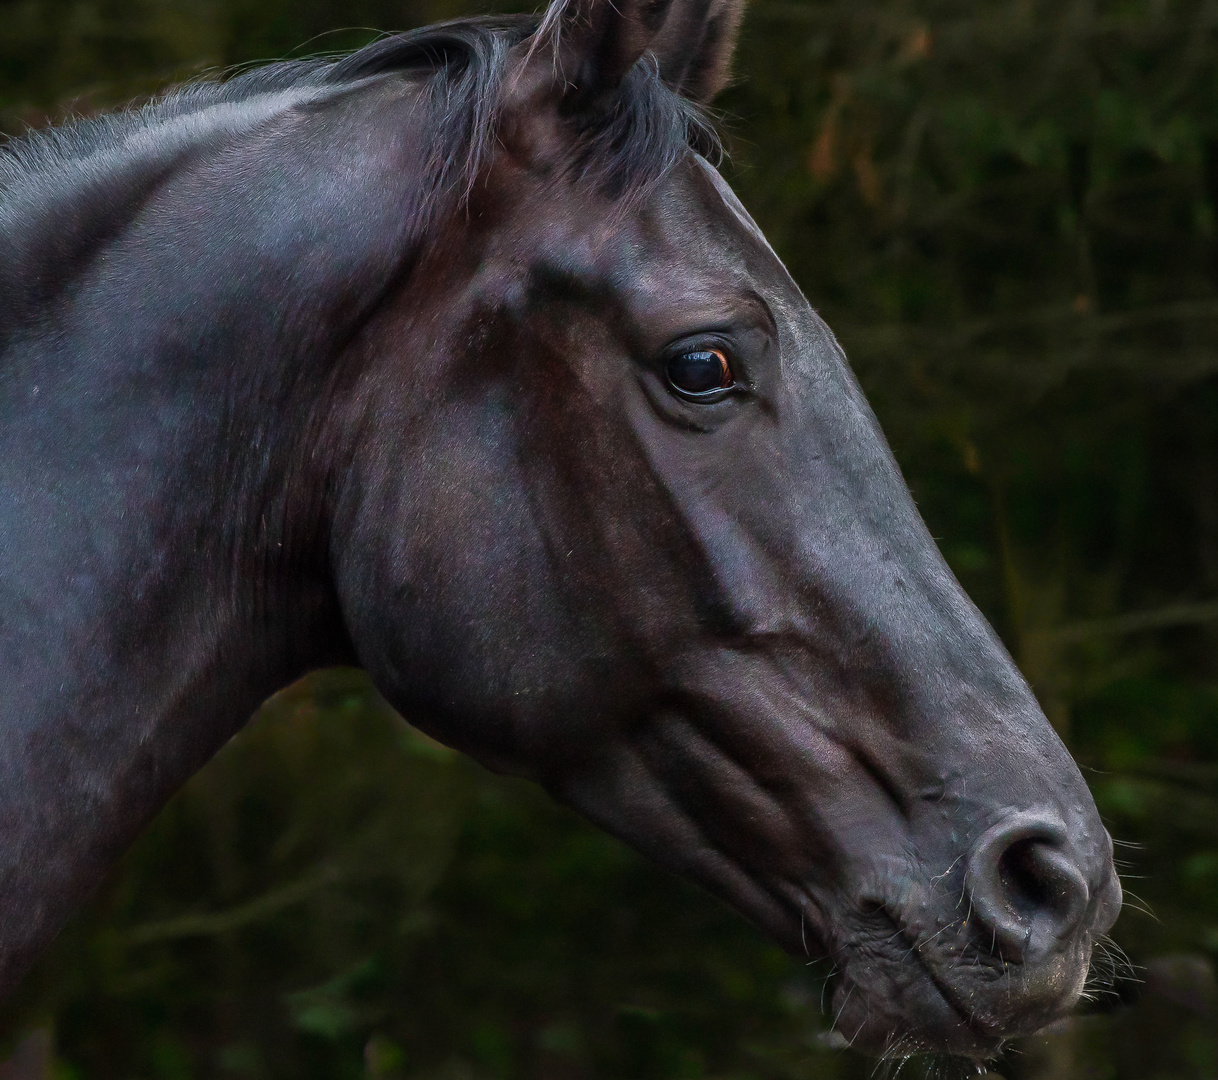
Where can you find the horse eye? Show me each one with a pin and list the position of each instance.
(700, 373)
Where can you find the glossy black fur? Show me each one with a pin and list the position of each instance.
(364, 363)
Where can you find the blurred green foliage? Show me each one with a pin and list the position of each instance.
(1007, 210)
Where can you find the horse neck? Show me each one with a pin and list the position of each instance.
(166, 453)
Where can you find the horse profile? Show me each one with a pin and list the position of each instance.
(457, 359)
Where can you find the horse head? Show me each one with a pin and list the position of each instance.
(621, 520)
(457, 358)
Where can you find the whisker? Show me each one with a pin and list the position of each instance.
(825, 986)
(918, 944)
(1110, 966)
(842, 1009)
(1140, 905)
(1119, 958)
(882, 1060)
(940, 877)
(859, 1030)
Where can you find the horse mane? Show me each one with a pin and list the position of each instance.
(463, 67)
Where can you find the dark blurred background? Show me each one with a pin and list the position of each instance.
(1008, 211)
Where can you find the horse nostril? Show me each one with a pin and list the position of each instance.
(1025, 887)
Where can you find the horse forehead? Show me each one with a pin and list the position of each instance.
(696, 246)
(690, 242)
(700, 210)
(692, 237)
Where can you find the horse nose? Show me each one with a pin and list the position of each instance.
(1026, 888)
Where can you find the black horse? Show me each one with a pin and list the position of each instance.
(457, 359)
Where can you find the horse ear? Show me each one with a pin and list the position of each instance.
(695, 44)
(595, 42)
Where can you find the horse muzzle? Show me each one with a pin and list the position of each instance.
(996, 947)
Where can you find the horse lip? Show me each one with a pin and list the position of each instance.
(975, 1028)
(985, 1033)
(972, 1025)
(986, 1042)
